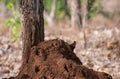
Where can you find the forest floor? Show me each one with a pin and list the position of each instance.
(99, 49)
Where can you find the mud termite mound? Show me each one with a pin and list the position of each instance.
(55, 59)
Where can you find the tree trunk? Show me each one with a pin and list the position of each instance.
(84, 12)
(76, 19)
(33, 25)
(50, 18)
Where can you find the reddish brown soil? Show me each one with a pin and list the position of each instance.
(55, 59)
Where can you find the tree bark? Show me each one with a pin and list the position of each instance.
(33, 25)
(76, 19)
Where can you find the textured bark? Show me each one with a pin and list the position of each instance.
(76, 19)
(33, 25)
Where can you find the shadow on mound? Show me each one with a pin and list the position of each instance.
(55, 59)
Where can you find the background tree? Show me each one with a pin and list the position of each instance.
(50, 17)
(75, 9)
(84, 12)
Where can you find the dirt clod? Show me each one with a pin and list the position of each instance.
(55, 59)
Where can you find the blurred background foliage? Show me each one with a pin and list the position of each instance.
(60, 8)
(94, 7)
(13, 21)
(10, 1)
